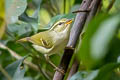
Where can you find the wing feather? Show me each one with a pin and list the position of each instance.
(43, 39)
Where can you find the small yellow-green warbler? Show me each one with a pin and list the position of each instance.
(52, 41)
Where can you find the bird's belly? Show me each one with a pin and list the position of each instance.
(42, 49)
(60, 45)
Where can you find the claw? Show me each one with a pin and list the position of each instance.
(60, 70)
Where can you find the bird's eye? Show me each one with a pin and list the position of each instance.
(60, 23)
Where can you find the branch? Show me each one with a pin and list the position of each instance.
(110, 5)
(31, 65)
(73, 69)
(93, 10)
(15, 55)
(45, 75)
(74, 35)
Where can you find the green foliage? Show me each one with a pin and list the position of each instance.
(16, 71)
(104, 73)
(97, 38)
(19, 29)
(14, 8)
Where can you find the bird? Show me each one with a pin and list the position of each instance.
(51, 41)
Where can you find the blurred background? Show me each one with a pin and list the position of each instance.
(98, 52)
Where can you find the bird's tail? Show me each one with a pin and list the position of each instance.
(24, 39)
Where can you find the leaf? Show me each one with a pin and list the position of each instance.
(98, 36)
(14, 8)
(18, 30)
(16, 70)
(103, 36)
(78, 1)
(83, 75)
(33, 20)
(114, 50)
(117, 4)
(104, 73)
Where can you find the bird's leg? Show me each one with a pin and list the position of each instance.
(52, 64)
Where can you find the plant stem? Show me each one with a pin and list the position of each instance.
(93, 10)
(74, 35)
(73, 69)
(44, 74)
(110, 5)
(64, 6)
(15, 55)
(5, 73)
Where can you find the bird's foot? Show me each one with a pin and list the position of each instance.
(60, 70)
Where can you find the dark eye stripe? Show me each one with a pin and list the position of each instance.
(60, 23)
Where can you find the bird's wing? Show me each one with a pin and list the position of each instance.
(43, 39)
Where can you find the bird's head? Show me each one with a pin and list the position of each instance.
(62, 25)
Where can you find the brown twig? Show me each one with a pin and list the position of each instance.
(45, 75)
(88, 10)
(110, 5)
(74, 35)
(73, 69)
(15, 55)
(92, 13)
(94, 9)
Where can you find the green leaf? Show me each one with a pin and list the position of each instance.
(83, 75)
(33, 20)
(103, 36)
(78, 1)
(16, 70)
(104, 73)
(18, 30)
(114, 51)
(117, 4)
(14, 8)
(98, 36)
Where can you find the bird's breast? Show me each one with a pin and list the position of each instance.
(60, 41)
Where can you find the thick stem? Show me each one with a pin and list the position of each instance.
(93, 10)
(110, 5)
(74, 35)
(73, 69)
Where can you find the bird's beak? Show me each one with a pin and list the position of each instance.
(69, 21)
